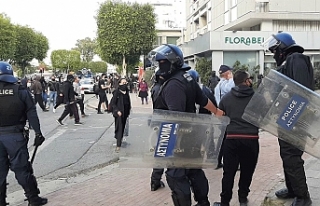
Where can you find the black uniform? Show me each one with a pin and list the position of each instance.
(17, 106)
(156, 172)
(180, 93)
(298, 67)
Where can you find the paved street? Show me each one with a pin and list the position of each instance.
(77, 165)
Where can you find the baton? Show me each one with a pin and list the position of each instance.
(34, 154)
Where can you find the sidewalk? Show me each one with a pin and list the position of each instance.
(115, 186)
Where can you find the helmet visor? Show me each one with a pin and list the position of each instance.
(271, 44)
(163, 52)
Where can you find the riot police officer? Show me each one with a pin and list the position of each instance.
(157, 173)
(16, 107)
(297, 66)
(180, 92)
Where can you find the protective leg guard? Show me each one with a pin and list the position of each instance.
(181, 200)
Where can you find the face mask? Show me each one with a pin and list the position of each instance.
(28, 84)
(279, 57)
(123, 87)
(53, 79)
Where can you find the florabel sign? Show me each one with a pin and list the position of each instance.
(244, 40)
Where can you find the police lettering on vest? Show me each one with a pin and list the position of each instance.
(6, 92)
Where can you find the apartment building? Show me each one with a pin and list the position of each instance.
(230, 30)
(170, 19)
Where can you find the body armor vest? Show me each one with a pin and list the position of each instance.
(190, 90)
(12, 110)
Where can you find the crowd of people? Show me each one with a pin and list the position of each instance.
(176, 88)
(232, 92)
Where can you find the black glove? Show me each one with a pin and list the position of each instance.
(38, 140)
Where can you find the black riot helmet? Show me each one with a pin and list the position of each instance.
(6, 73)
(167, 59)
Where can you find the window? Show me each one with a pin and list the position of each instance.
(245, 57)
(234, 13)
(234, 2)
(226, 18)
(172, 40)
(159, 40)
(226, 5)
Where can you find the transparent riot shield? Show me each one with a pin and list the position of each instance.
(171, 139)
(288, 110)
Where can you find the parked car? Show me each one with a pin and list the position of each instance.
(87, 85)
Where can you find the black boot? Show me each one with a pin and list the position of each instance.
(301, 201)
(156, 185)
(203, 203)
(3, 194)
(37, 201)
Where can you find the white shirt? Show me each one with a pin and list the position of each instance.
(224, 86)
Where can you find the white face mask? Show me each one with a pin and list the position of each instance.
(29, 84)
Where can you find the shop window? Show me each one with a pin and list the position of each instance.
(245, 57)
(172, 40)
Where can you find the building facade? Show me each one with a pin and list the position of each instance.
(230, 30)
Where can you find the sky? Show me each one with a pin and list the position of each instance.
(63, 22)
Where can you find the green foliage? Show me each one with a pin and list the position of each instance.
(87, 48)
(98, 67)
(7, 38)
(26, 47)
(21, 44)
(42, 45)
(124, 30)
(204, 68)
(66, 59)
(253, 71)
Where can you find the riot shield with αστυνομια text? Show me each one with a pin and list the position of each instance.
(288, 110)
(170, 139)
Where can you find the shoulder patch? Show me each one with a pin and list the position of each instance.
(188, 77)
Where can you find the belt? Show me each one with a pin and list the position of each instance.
(11, 129)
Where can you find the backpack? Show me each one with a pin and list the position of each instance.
(61, 88)
(96, 88)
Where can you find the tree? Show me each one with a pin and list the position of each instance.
(87, 48)
(73, 59)
(204, 68)
(58, 58)
(7, 38)
(42, 45)
(26, 47)
(98, 67)
(65, 59)
(124, 29)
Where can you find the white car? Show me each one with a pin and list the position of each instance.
(86, 85)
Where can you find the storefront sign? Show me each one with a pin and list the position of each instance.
(244, 40)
